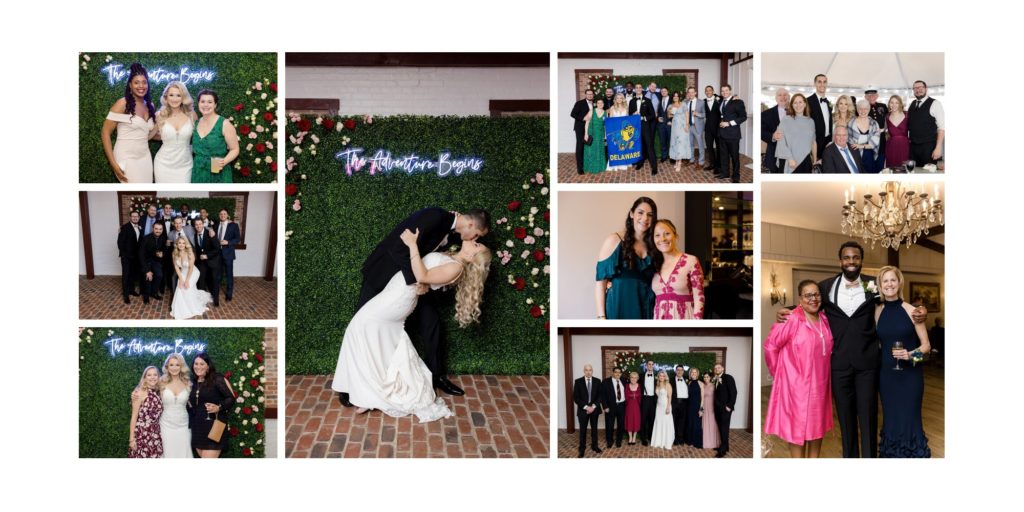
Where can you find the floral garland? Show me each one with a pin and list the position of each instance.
(602, 82)
(630, 360)
(527, 252)
(257, 129)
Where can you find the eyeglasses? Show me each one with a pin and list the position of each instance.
(811, 296)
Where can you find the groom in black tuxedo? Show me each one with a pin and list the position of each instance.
(733, 113)
(725, 404)
(848, 300)
(437, 228)
(579, 113)
(648, 119)
(128, 250)
(207, 250)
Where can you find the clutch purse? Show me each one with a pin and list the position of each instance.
(216, 431)
(588, 140)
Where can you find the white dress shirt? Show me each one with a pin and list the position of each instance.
(649, 383)
(682, 390)
(848, 298)
(824, 115)
(619, 390)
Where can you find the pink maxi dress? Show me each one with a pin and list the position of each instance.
(798, 355)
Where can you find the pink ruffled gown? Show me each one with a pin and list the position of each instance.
(798, 355)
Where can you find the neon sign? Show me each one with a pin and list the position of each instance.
(140, 347)
(117, 72)
(383, 161)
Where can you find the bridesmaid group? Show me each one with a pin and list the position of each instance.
(643, 274)
(701, 429)
(798, 356)
(193, 149)
(173, 413)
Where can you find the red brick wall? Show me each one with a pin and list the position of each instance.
(270, 362)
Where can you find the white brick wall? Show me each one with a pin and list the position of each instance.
(421, 91)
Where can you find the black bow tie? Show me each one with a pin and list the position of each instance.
(823, 100)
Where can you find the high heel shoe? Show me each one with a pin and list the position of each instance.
(362, 410)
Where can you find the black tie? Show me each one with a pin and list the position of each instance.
(823, 100)
(199, 246)
(689, 108)
(917, 103)
(618, 392)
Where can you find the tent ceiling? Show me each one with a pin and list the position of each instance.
(893, 70)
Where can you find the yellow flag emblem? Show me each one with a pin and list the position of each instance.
(627, 132)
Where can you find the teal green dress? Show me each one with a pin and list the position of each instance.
(595, 156)
(631, 296)
(205, 148)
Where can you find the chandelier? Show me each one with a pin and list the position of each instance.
(897, 215)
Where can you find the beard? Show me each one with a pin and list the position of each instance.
(851, 275)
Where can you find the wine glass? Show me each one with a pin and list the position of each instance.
(910, 166)
(897, 345)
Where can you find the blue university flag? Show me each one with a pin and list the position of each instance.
(623, 134)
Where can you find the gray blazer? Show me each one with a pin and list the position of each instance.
(699, 116)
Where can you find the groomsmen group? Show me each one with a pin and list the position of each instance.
(145, 247)
(715, 128)
(926, 127)
(594, 396)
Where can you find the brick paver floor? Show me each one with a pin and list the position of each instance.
(499, 417)
(689, 173)
(740, 447)
(100, 298)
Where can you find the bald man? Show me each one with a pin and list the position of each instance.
(586, 393)
(770, 133)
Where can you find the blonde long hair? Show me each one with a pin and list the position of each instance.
(187, 106)
(851, 111)
(183, 374)
(188, 247)
(142, 380)
(469, 290)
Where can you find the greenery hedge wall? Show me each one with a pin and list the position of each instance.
(105, 384)
(342, 218)
(236, 74)
(675, 83)
(212, 204)
(634, 361)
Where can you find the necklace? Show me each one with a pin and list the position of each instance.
(821, 333)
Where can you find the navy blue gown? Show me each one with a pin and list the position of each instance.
(901, 391)
(694, 430)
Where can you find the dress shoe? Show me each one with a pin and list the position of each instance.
(158, 297)
(719, 176)
(216, 304)
(644, 442)
(127, 300)
(579, 172)
(448, 386)
(581, 454)
(228, 298)
(637, 167)
(708, 167)
(662, 160)
(145, 300)
(596, 449)
(343, 398)
(618, 444)
(719, 455)
(135, 294)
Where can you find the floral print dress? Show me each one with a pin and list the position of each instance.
(148, 444)
(681, 297)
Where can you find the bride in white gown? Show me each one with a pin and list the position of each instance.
(663, 433)
(378, 365)
(189, 301)
(175, 384)
(174, 120)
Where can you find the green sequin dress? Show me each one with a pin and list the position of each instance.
(205, 148)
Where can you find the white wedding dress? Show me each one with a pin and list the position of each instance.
(378, 365)
(664, 430)
(173, 162)
(174, 429)
(191, 301)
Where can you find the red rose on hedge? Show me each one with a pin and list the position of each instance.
(273, 166)
(328, 123)
(547, 216)
(268, 116)
(259, 427)
(273, 86)
(547, 326)
(227, 374)
(536, 311)
(258, 357)
(233, 431)
(247, 452)
(350, 124)
(247, 411)
(244, 129)
(239, 107)
(261, 148)
(520, 233)
(303, 125)
(514, 205)
(254, 382)
(291, 189)
(245, 171)
(520, 283)
(538, 255)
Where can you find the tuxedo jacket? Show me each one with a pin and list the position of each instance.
(769, 123)
(725, 393)
(608, 398)
(714, 116)
(392, 256)
(579, 111)
(675, 387)
(127, 243)
(732, 111)
(645, 108)
(832, 161)
(815, 105)
(233, 237)
(148, 248)
(579, 394)
(210, 247)
(854, 338)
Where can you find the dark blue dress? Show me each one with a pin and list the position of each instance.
(694, 430)
(631, 296)
(901, 391)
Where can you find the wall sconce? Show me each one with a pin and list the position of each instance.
(778, 296)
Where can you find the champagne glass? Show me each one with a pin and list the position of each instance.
(897, 345)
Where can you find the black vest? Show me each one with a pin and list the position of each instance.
(921, 124)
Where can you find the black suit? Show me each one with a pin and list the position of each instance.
(150, 262)
(648, 407)
(579, 112)
(648, 121)
(815, 105)
(714, 116)
(725, 396)
(769, 123)
(392, 255)
(615, 410)
(663, 128)
(128, 239)
(203, 244)
(582, 399)
(679, 406)
(832, 161)
(732, 111)
(855, 362)
(170, 276)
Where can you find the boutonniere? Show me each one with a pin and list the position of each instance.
(869, 286)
